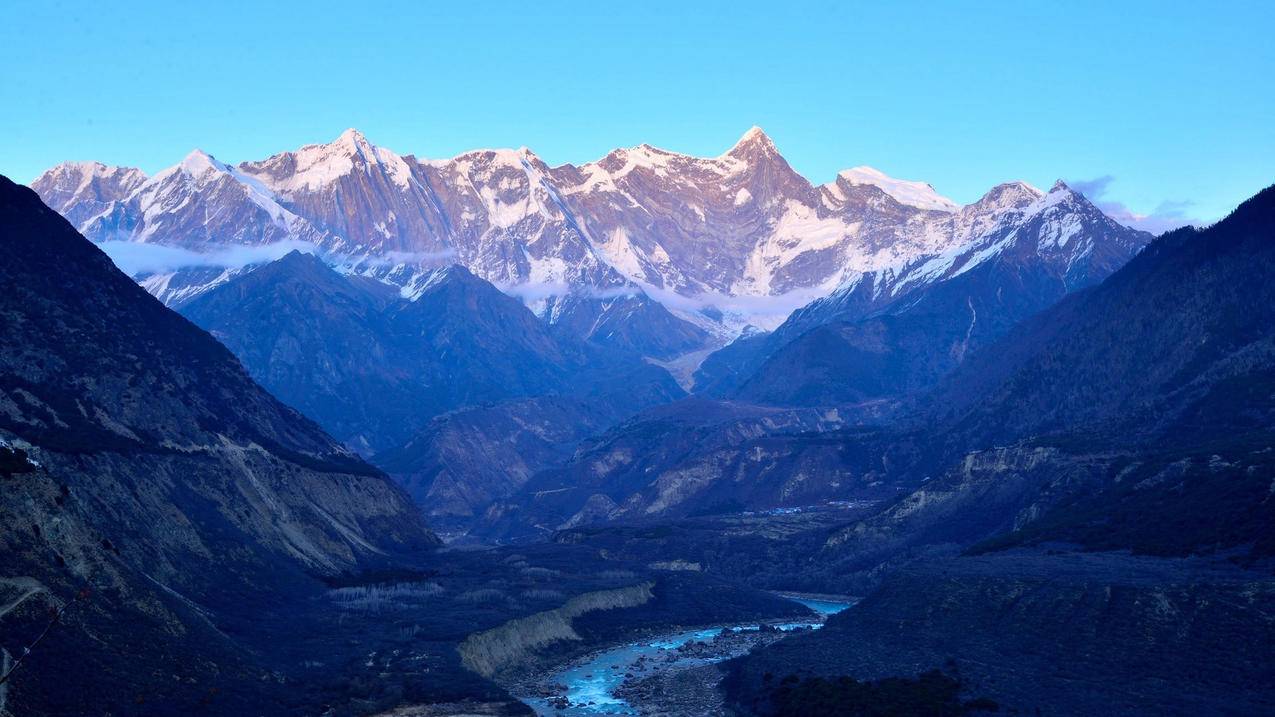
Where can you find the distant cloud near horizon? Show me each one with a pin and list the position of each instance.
(393, 258)
(135, 258)
(1166, 216)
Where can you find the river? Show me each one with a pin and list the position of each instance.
(591, 683)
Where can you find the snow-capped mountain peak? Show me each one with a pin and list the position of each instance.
(914, 194)
(199, 163)
(316, 166)
(75, 176)
(1006, 196)
(81, 190)
(742, 232)
(1066, 199)
(755, 142)
(201, 168)
(353, 140)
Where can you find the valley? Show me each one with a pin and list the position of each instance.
(622, 680)
(488, 436)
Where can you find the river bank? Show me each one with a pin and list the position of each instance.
(651, 675)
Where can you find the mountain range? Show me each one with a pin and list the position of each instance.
(653, 384)
(384, 325)
(174, 540)
(719, 241)
(894, 332)
(1106, 460)
(863, 351)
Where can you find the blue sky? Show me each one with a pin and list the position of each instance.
(1155, 106)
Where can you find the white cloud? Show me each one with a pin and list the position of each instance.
(766, 312)
(1168, 215)
(137, 258)
(394, 258)
(134, 258)
(531, 292)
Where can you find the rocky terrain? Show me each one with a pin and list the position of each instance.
(897, 331)
(1025, 432)
(176, 540)
(697, 457)
(688, 242)
(464, 461)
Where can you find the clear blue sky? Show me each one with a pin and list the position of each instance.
(1172, 103)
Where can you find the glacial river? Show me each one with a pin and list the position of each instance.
(596, 679)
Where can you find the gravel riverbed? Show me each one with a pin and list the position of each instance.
(673, 674)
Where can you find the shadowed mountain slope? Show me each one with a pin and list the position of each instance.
(147, 473)
(1134, 417)
(894, 333)
(373, 367)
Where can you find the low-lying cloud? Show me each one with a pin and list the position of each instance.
(134, 258)
(1168, 215)
(531, 292)
(394, 258)
(138, 259)
(765, 312)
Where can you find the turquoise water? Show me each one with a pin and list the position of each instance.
(597, 679)
(823, 607)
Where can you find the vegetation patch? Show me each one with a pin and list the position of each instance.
(931, 693)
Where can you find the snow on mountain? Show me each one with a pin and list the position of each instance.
(914, 194)
(316, 166)
(195, 224)
(198, 202)
(895, 331)
(1059, 230)
(742, 228)
(80, 190)
(740, 236)
(367, 196)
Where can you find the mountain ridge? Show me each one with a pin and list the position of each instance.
(374, 366)
(636, 218)
(920, 321)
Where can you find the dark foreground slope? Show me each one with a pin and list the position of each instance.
(1074, 634)
(1134, 418)
(159, 481)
